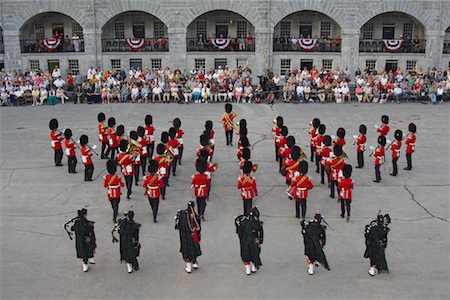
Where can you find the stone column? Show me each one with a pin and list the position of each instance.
(263, 50)
(13, 55)
(350, 48)
(434, 48)
(177, 48)
(91, 50)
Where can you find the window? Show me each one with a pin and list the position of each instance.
(74, 66)
(156, 63)
(408, 29)
(77, 30)
(119, 31)
(34, 64)
(139, 30)
(388, 31)
(241, 62)
(201, 28)
(325, 29)
(285, 29)
(410, 65)
(327, 64)
(367, 31)
(116, 64)
(241, 29)
(222, 62)
(285, 66)
(371, 64)
(136, 63)
(159, 30)
(39, 31)
(200, 64)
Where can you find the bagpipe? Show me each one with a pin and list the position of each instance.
(385, 220)
(73, 220)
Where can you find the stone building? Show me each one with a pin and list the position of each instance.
(277, 34)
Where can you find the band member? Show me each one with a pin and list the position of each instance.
(325, 154)
(251, 236)
(126, 161)
(211, 168)
(165, 141)
(149, 131)
(86, 155)
(340, 140)
(361, 145)
(246, 156)
(244, 144)
(241, 133)
(376, 242)
(384, 128)
(113, 183)
(277, 130)
(56, 139)
(313, 132)
(143, 151)
(187, 222)
(395, 148)
(228, 124)
(103, 135)
(410, 142)
(345, 187)
(85, 242)
(179, 136)
(209, 129)
(173, 147)
(129, 241)
(204, 143)
(70, 151)
(378, 153)
(285, 153)
(292, 167)
(298, 189)
(318, 141)
(120, 134)
(247, 184)
(112, 137)
(135, 149)
(336, 165)
(153, 185)
(314, 238)
(282, 146)
(200, 184)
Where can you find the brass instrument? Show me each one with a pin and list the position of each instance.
(255, 167)
(274, 121)
(134, 148)
(303, 155)
(344, 155)
(215, 166)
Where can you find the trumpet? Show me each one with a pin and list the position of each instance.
(255, 167)
(215, 166)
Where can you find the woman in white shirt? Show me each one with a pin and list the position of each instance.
(134, 93)
(238, 93)
(156, 93)
(43, 96)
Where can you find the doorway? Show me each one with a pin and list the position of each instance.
(306, 31)
(53, 63)
(221, 30)
(308, 63)
(135, 64)
(391, 65)
(58, 30)
(220, 62)
(388, 31)
(139, 30)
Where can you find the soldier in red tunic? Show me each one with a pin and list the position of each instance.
(285, 153)
(70, 151)
(56, 138)
(120, 132)
(277, 130)
(345, 187)
(246, 155)
(173, 147)
(410, 142)
(244, 144)
(313, 132)
(135, 149)
(153, 185)
(340, 140)
(298, 189)
(378, 153)
(143, 151)
(103, 135)
(113, 183)
(361, 145)
(292, 167)
(336, 164)
(126, 161)
(228, 124)
(395, 148)
(282, 146)
(319, 144)
(163, 160)
(247, 184)
(86, 155)
(149, 131)
(200, 184)
(209, 131)
(325, 154)
(384, 128)
(112, 137)
(179, 136)
(204, 143)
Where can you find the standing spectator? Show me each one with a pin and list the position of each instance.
(76, 42)
(56, 73)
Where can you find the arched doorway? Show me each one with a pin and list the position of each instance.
(447, 41)
(2, 48)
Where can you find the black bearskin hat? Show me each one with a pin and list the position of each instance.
(337, 150)
(243, 123)
(317, 218)
(152, 166)
(327, 140)
(111, 166)
(148, 120)
(134, 135)
(322, 128)
(340, 132)
(120, 130)
(172, 132)
(244, 142)
(385, 119)
(201, 165)
(82, 213)
(111, 122)
(228, 108)
(209, 125)
(303, 168)
(246, 153)
(141, 131)
(290, 141)
(176, 123)
(382, 140)
(164, 137)
(242, 131)
(101, 117)
(160, 149)
(284, 131)
(254, 212)
(279, 121)
(84, 139)
(68, 133)
(362, 129)
(398, 134)
(295, 152)
(412, 127)
(204, 140)
(207, 133)
(247, 168)
(347, 171)
(315, 123)
(123, 146)
(204, 154)
(130, 215)
(53, 124)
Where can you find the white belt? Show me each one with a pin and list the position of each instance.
(67, 151)
(180, 140)
(84, 158)
(53, 143)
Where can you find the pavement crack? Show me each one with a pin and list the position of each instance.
(9, 180)
(423, 207)
(40, 233)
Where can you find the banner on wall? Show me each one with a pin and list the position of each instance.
(51, 44)
(220, 43)
(393, 45)
(136, 43)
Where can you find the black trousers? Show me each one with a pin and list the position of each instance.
(143, 164)
(72, 163)
(394, 166)
(201, 205)
(248, 204)
(313, 150)
(174, 165)
(104, 153)
(322, 174)
(333, 183)
(154, 203)
(180, 154)
(150, 149)
(409, 161)
(136, 174)
(129, 184)
(345, 205)
(277, 157)
(318, 159)
(163, 190)
(229, 137)
(88, 172)
(377, 172)
(300, 203)
(115, 206)
(58, 157)
(280, 163)
(113, 152)
(360, 158)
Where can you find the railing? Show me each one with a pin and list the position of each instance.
(447, 47)
(42, 46)
(221, 44)
(306, 45)
(380, 45)
(135, 45)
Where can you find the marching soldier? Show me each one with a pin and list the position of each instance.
(285, 153)
(113, 183)
(247, 184)
(126, 161)
(209, 129)
(246, 155)
(70, 151)
(378, 153)
(163, 160)
(200, 184)
(251, 236)
(313, 132)
(228, 124)
(211, 168)
(143, 151)
(384, 128)
(340, 140)
(149, 131)
(395, 148)
(112, 137)
(345, 187)
(179, 136)
(86, 155)
(410, 142)
(314, 238)
(336, 165)
(298, 189)
(277, 130)
(135, 149)
(167, 151)
(85, 241)
(376, 242)
(129, 241)
(120, 134)
(204, 143)
(292, 167)
(173, 146)
(361, 145)
(244, 144)
(153, 185)
(318, 141)
(187, 222)
(326, 154)
(282, 146)
(56, 139)
(103, 135)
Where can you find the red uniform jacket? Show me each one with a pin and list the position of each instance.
(143, 150)
(247, 185)
(379, 155)
(277, 131)
(86, 155)
(282, 145)
(339, 141)
(318, 141)
(102, 134)
(200, 183)
(313, 134)
(173, 145)
(383, 129)
(336, 165)
(179, 137)
(56, 139)
(70, 148)
(410, 143)
(149, 134)
(285, 156)
(163, 165)
(291, 167)
(361, 143)
(241, 165)
(126, 162)
(325, 153)
(227, 120)
(395, 148)
(298, 189)
(204, 148)
(345, 187)
(113, 184)
(153, 185)
(112, 138)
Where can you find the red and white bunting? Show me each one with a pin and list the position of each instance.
(393, 45)
(51, 44)
(136, 43)
(308, 44)
(220, 43)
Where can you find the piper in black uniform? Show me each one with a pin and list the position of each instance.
(376, 242)
(85, 242)
(314, 238)
(251, 236)
(129, 241)
(189, 225)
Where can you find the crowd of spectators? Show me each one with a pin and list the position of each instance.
(223, 85)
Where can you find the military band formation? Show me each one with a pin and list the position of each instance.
(134, 154)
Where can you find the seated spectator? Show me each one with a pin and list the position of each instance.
(299, 91)
(35, 95)
(345, 92)
(205, 93)
(270, 98)
(166, 93)
(4, 97)
(214, 92)
(43, 94)
(222, 96)
(145, 92)
(52, 100)
(230, 92)
(174, 93)
(248, 93)
(197, 93)
(238, 91)
(61, 95)
(157, 94)
(187, 93)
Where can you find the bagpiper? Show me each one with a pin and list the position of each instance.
(149, 134)
(113, 183)
(153, 185)
(143, 151)
(384, 128)
(200, 184)
(395, 149)
(278, 123)
(228, 124)
(314, 238)
(103, 135)
(247, 184)
(56, 138)
(336, 165)
(179, 136)
(313, 132)
(70, 151)
(86, 154)
(130, 247)
(376, 242)
(318, 141)
(85, 241)
(251, 236)
(188, 223)
(126, 161)
(345, 187)
(361, 145)
(298, 189)
(410, 142)
(378, 153)
(112, 137)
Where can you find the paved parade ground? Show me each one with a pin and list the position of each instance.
(38, 260)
